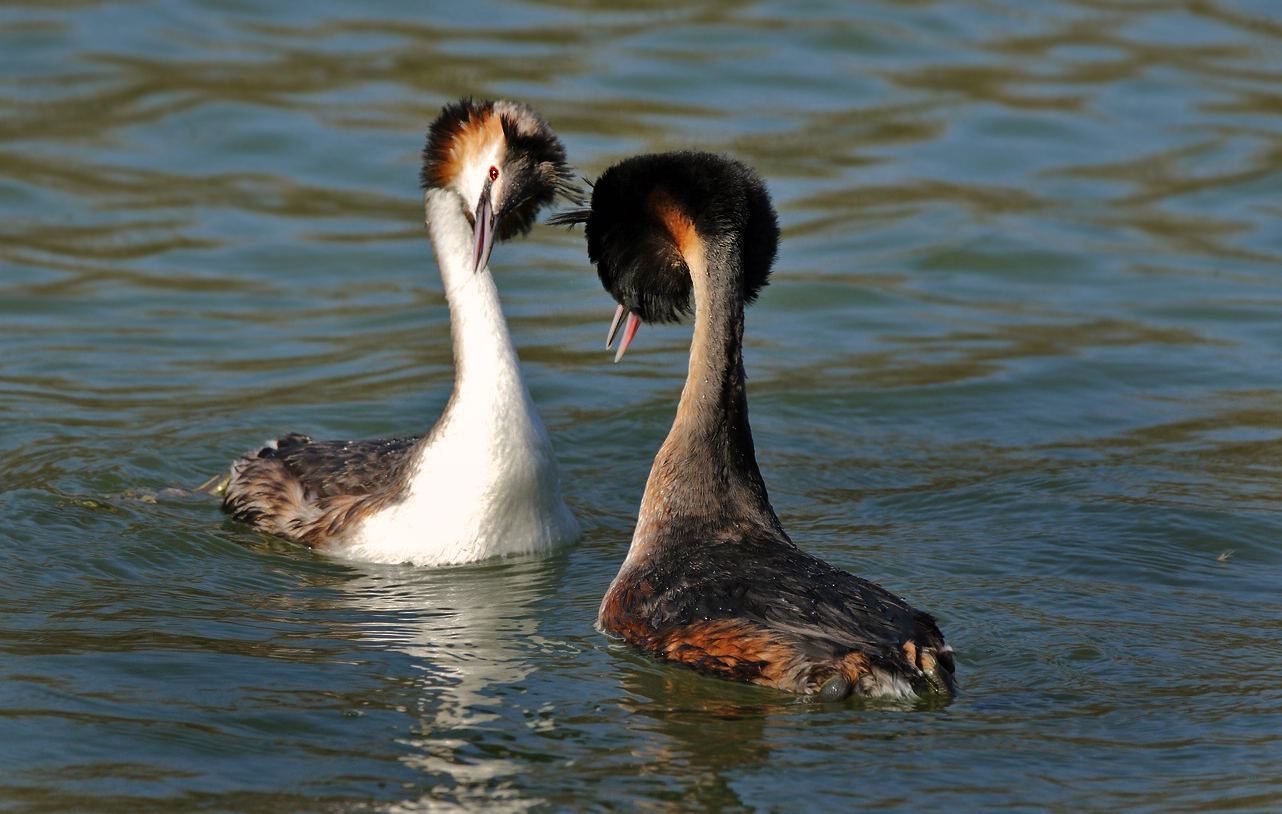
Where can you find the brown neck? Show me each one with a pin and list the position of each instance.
(705, 479)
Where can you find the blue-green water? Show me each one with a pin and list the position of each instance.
(1020, 363)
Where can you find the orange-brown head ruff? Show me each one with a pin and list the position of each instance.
(649, 213)
(504, 161)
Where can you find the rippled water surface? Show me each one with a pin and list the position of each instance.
(1019, 362)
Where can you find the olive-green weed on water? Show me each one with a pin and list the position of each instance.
(1020, 362)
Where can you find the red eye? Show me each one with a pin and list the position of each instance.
(494, 173)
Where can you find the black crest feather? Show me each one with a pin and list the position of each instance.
(636, 258)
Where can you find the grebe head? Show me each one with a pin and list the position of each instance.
(633, 228)
(504, 162)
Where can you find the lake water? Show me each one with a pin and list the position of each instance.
(1020, 362)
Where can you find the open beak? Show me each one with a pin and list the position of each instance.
(629, 330)
(482, 230)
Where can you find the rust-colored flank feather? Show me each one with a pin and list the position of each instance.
(711, 580)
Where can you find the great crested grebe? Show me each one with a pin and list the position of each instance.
(484, 481)
(711, 580)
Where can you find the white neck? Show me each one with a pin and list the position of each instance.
(484, 481)
(485, 360)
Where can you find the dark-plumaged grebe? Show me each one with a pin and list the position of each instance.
(711, 580)
(483, 482)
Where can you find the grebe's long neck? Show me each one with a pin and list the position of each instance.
(706, 472)
(487, 378)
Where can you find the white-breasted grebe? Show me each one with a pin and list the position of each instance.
(711, 580)
(483, 482)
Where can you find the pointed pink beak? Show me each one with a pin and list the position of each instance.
(482, 230)
(629, 331)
